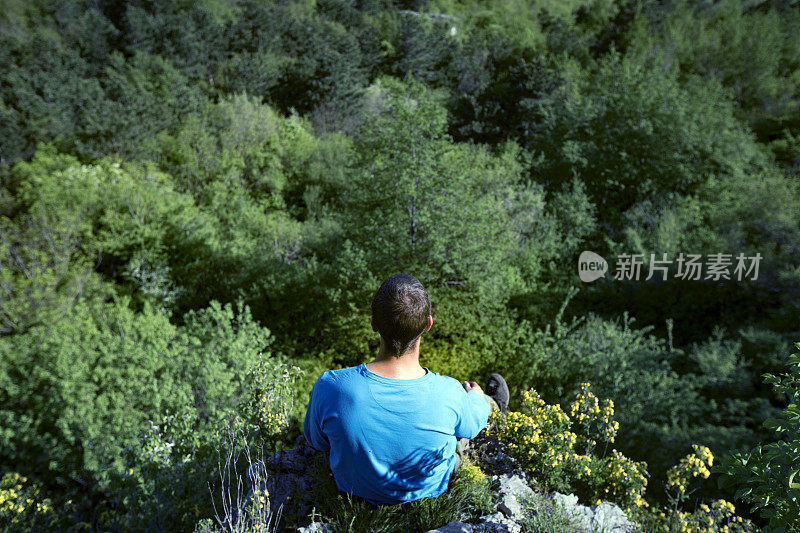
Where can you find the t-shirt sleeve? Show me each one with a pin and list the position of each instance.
(473, 416)
(312, 424)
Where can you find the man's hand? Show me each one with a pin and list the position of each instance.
(471, 385)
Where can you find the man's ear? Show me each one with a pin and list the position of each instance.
(430, 323)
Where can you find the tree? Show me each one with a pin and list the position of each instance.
(631, 131)
(421, 203)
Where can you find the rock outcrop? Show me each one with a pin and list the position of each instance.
(512, 489)
(289, 478)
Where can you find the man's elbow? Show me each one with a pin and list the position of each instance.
(316, 446)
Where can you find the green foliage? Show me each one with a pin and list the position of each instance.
(539, 437)
(42, 274)
(522, 24)
(268, 405)
(752, 51)
(90, 105)
(196, 33)
(676, 396)
(631, 131)
(188, 466)
(441, 202)
(126, 219)
(80, 390)
(144, 95)
(765, 476)
(238, 143)
(720, 217)
(683, 514)
(42, 89)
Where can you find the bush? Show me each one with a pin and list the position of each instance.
(182, 470)
(667, 135)
(539, 437)
(720, 515)
(766, 476)
(102, 380)
(22, 506)
(662, 393)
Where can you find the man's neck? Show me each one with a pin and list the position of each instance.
(404, 367)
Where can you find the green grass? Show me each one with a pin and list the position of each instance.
(545, 516)
(466, 500)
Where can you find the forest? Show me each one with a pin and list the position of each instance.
(198, 200)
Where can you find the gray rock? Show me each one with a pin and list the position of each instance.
(495, 457)
(316, 527)
(287, 477)
(453, 527)
(493, 523)
(512, 489)
(497, 523)
(566, 501)
(604, 517)
(610, 518)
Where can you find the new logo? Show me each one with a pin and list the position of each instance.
(591, 266)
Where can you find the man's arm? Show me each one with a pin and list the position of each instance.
(474, 411)
(312, 424)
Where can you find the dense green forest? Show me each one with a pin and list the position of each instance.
(194, 195)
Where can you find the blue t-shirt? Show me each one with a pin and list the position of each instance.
(391, 440)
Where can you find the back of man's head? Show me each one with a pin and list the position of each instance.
(400, 311)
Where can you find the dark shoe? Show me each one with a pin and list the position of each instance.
(497, 389)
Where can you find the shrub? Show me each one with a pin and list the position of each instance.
(767, 474)
(266, 411)
(539, 437)
(235, 510)
(175, 463)
(688, 474)
(22, 506)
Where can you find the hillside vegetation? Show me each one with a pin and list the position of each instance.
(198, 199)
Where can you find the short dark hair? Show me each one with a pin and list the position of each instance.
(400, 311)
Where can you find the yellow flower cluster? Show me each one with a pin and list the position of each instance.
(718, 517)
(627, 480)
(724, 506)
(260, 513)
(270, 401)
(260, 498)
(539, 437)
(693, 465)
(471, 472)
(586, 410)
(16, 499)
(272, 423)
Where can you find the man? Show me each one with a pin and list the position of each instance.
(391, 426)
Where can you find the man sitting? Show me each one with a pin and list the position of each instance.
(391, 426)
